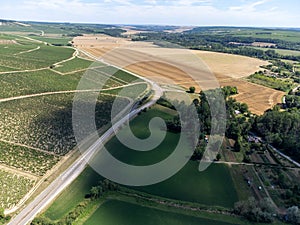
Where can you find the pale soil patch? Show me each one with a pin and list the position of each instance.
(179, 30)
(263, 44)
(167, 66)
(234, 66)
(7, 42)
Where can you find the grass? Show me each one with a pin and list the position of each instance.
(292, 36)
(41, 58)
(214, 187)
(73, 194)
(123, 213)
(271, 82)
(54, 41)
(239, 181)
(13, 188)
(284, 52)
(139, 127)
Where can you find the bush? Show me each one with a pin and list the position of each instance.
(255, 211)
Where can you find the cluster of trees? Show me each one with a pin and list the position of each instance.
(292, 101)
(221, 43)
(293, 215)
(256, 211)
(238, 120)
(102, 187)
(66, 220)
(281, 129)
(96, 192)
(3, 218)
(272, 82)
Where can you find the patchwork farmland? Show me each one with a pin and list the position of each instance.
(146, 59)
(40, 162)
(37, 86)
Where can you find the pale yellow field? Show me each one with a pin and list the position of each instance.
(184, 67)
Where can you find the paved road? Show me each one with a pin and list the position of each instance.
(67, 177)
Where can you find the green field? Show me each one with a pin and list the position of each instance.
(212, 187)
(51, 40)
(292, 36)
(73, 194)
(122, 213)
(271, 82)
(75, 64)
(284, 52)
(15, 56)
(139, 127)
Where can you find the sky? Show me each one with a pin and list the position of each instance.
(258, 13)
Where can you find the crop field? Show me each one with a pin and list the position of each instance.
(52, 40)
(20, 57)
(282, 51)
(257, 97)
(18, 84)
(212, 187)
(46, 122)
(228, 69)
(189, 184)
(26, 83)
(129, 214)
(292, 36)
(26, 159)
(75, 65)
(13, 188)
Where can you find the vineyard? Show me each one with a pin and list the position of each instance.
(13, 188)
(46, 122)
(38, 83)
(26, 159)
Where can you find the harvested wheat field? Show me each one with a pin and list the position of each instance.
(258, 98)
(186, 68)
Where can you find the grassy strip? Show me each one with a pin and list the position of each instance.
(271, 82)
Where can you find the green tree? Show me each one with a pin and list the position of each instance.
(192, 90)
(2, 215)
(95, 192)
(293, 215)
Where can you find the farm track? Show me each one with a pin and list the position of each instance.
(28, 51)
(67, 92)
(69, 175)
(19, 172)
(30, 147)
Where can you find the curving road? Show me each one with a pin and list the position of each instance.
(67, 177)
